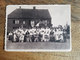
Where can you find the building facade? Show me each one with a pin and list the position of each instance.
(28, 18)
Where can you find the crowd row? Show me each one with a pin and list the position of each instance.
(37, 35)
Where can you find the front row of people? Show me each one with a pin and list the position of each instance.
(20, 36)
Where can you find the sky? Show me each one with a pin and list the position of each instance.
(60, 14)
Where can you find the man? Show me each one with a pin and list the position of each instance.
(10, 35)
(31, 31)
(56, 34)
(52, 38)
(36, 35)
(42, 31)
(15, 37)
(61, 36)
(47, 34)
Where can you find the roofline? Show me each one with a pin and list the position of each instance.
(29, 18)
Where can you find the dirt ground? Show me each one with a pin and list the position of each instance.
(38, 45)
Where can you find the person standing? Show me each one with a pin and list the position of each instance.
(52, 38)
(15, 37)
(21, 38)
(56, 34)
(10, 36)
(36, 35)
(42, 31)
(27, 37)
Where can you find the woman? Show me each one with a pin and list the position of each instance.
(27, 37)
(21, 38)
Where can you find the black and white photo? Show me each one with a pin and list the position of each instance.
(38, 28)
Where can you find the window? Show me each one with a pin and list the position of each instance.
(23, 22)
(32, 23)
(16, 21)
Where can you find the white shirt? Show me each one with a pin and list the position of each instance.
(10, 33)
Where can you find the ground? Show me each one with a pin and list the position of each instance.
(38, 45)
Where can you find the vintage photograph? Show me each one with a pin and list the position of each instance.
(38, 28)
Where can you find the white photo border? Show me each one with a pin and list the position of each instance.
(37, 50)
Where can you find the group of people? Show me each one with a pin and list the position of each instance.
(37, 35)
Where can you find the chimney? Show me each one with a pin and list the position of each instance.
(34, 7)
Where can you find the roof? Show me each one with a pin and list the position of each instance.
(29, 13)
